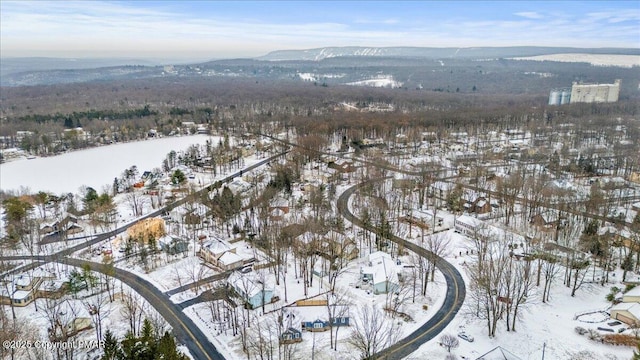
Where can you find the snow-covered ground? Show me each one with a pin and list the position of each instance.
(626, 61)
(380, 81)
(551, 325)
(93, 167)
(316, 77)
(35, 316)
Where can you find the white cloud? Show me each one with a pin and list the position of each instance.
(529, 15)
(96, 28)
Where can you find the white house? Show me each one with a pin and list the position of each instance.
(381, 273)
(255, 292)
(467, 225)
(221, 254)
(632, 295)
(627, 312)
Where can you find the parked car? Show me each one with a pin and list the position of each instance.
(605, 329)
(614, 323)
(465, 336)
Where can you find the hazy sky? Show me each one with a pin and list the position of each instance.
(217, 29)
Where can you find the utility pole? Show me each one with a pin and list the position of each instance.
(544, 345)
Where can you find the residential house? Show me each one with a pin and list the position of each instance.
(277, 214)
(230, 260)
(440, 189)
(290, 336)
(632, 295)
(330, 245)
(68, 225)
(52, 289)
(173, 244)
(340, 321)
(24, 288)
(547, 220)
(192, 215)
(335, 244)
(380, 273)
(46, 228)
(202, 129)
(315, 326)
(323, 325)
(279, 203)
(371, 142)
(10, 295)
(253, 291)
(221, 254)
(423, 219)
(319, 174)
(71, 321)
(343, 165)
(239, 186)
(467, 225)
(481, 205)
(25, 282)
(628, 311)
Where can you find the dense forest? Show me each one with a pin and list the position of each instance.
(313, 96)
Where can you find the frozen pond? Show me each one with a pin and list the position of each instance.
(94, 167)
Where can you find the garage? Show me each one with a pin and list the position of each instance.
(628, 313)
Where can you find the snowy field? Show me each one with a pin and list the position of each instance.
(551, 325)
(94, 167)
(380, 81)
(626, 61)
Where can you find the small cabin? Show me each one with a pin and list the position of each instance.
(315, 326)
(290, 336)
(340, 321)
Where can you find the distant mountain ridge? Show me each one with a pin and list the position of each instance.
(429, 52)
(14, 65)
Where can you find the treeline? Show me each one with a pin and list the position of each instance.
(75, 117)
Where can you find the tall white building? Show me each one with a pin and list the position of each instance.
(589, 93)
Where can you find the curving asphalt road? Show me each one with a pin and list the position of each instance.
(183, 327)
(454, 297)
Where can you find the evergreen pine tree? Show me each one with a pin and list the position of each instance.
(147, 338)
(133, 348)
(112, 349)
(167, 349)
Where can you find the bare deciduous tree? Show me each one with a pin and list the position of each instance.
(132, 309)
(449, 341)
(136, 202)
(98, 308)
(372, 332)
(337, 308)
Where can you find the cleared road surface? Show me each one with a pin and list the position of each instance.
(454, 297)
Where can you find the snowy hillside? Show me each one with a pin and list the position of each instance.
(475, 52)
(386, 81)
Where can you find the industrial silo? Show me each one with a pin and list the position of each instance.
(565, 96)
(555, 97)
